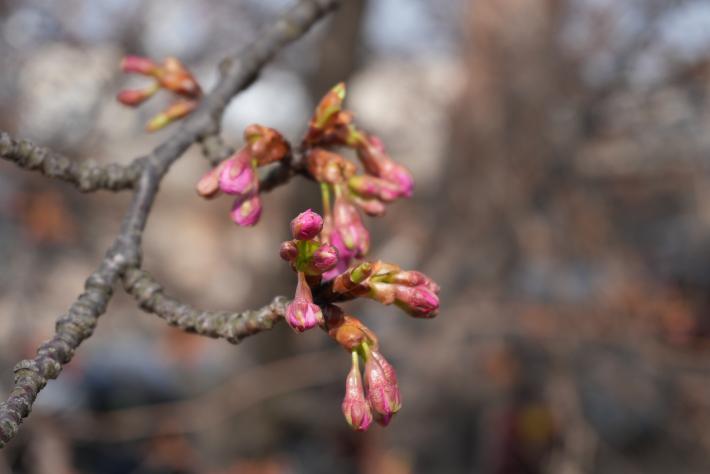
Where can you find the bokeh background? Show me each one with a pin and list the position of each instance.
(561, 150)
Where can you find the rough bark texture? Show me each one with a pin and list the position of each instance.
(123, 258)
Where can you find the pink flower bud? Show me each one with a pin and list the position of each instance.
(175, 77)
(345, 256)
(306, 226)
(246, 210)
(238, 177)
(371, 207)
(325, 258)
(372, 154)
(302, 313)
(372, 187)
(288, 251)
(139, 65)
(208, 185)
(355, 407)
(382, 389)
(135, 97)
(346, 221)
(418, 301)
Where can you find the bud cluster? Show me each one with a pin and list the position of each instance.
(327, 252)
(383, 180)
(171, 75)
(412, 291)
(237, 175)
(309, 258)
(378, 398)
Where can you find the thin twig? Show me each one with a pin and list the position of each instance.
(237, 72)
(232, 326)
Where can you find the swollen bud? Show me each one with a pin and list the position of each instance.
(302, 313)
(417, 301)
(246, 210)
(355, 406)
(288, 251)
(238, 176)
(138, 65)
(306, 226)
(135, 97)
(325, 258)
(382, 389)
(265, 144)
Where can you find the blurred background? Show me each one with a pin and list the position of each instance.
(561, 150)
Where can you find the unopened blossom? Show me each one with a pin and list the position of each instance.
(382, 388)
(345, 254)
(171, 75)
(325, 258)
(328, 167)
(289, 251)
(265, 145)
(411, 291)
(348, 331)
(355, 406)
(302, 314)
(348, 224)
(307, 225)
(238, 176)
(371, 152)
(329, 122)
(367, 186)
(246, 210)
(139, 65)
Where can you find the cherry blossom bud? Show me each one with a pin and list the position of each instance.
(354, 280)
(347, 222)
(372, 154)
(175, 112)
(265, 144)
(345, 256)
(246, 210)
(329, 106)
(208, 185)
(381, 385)
(355, 407)
(418, 301)
(135, 97)
(238, 176)
(329, 167)
(372, 187)
(329, 124)
(288, 251)
(325, 258)
(139, 65)
(306, 226)
(350, 332)
(302, 313)
(371, 207)
(175, 77)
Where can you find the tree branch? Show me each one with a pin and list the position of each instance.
(237, 72)
(221, 324)
(85, 176)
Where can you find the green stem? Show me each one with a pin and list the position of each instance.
(325, 195)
